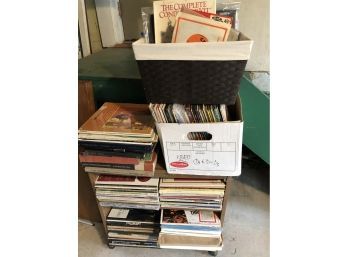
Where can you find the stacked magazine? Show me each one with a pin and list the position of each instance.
(119, 139)
(132, 227)
(193, 194)
(190, 229)
(186, 21)
(127, 192)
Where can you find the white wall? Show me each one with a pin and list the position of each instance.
(254, 23)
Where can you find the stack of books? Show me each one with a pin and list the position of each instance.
(131, 227)
(127, 192)
(185, 229)
(119, 139)
(193, 194)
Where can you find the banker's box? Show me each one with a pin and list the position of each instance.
(219, 156)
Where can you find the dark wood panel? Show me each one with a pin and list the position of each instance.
(86, 101)
(87, 205)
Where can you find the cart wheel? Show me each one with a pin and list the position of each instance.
(111, 246)
(213, 253)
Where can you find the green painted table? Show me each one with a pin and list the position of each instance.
(116, 78)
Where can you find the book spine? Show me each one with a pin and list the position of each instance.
(109, 165)
(108, 171)
(111, 153)
(109, 159)
(116, 147)
(120, 166)
(129, 242)
(132, 224)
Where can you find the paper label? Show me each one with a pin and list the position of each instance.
(206, 156)
(206, 216)
(119, 213)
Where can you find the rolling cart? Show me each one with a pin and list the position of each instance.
(160, 172)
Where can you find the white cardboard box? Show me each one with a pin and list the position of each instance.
(220, 156)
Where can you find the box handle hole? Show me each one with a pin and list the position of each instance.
(199, 136)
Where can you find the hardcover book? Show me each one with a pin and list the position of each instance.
(192, 28)
(123, 180)
(119, 162)
(165, 12)
(126, 121)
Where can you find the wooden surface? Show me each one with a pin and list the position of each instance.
(86, 106)
(87, 205)
(226, 197)
(104, 211)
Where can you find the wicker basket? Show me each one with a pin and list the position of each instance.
(194, 73)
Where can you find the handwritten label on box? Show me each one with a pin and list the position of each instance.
(209, 156)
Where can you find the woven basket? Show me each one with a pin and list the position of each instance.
(194, 73)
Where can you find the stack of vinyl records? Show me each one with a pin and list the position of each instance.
(119, 139)
(127, 192)
(192, 194)
(131, 227)
(185, 229)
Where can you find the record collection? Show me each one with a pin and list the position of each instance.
(127, 192)
(189, 113)
(132, 227)
(187, 229)
(192, 194)
(119, 139)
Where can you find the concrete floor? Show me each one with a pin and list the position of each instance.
(246, 227)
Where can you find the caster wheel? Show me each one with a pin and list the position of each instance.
(111, 246)
(213, 253)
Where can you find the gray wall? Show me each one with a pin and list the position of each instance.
(254, 23)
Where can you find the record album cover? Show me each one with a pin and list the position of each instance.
(165, 12)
